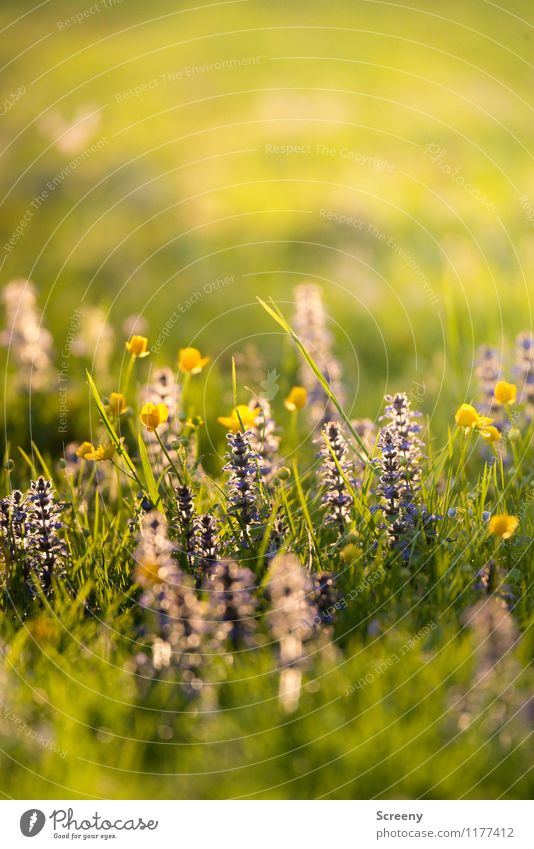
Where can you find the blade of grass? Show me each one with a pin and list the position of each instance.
(275, 313)
(115, 439)
(305, 511)
(150, 480)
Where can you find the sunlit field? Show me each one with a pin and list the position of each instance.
(267, 349)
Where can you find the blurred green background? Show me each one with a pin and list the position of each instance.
(187, 145)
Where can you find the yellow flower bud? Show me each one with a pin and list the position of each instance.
(190, 360)
(153, 415)
(240, 416)
(505, 393)
(117, 404)
(138, 346)
(490, 434)
(296, 399)
(85, 449)
(103, 452)
(466, 416)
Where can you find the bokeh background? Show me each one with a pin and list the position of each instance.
(382, 150)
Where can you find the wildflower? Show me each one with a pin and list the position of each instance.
(496, 698)
(103, 452)
(488, 369)
(296, 399)
(241, 418)
(162, 389)
(402, 425)
(265, 440)
(174, 614)
(13, 526)
(154, 553)
(243, 467)
(490, 434)
(324, 596)
(85, 449)
(137, 346)
(184, 523)
(503, 525)
(291, 619)
(336, 473)
(467, 417)
(232, 604)
(191, 361)
(505, 393)
(29, 343)
(311, 326)
(117, 404)
(398, 524)
(207, 542)
(154, 415)
(46, 552)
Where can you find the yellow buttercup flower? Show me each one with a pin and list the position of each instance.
(85, 449)
(505, 393)
(138, 346)
(503, 525)
(490, 434)
(154, 415)
(103, 452)
(117, 404)
(191, 361)
(240, 416)
(296, 399)
(466, 416)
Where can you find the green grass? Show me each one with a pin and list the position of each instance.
(184, 187)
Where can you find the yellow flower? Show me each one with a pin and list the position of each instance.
(103, 452)
(154, 415)
(296, 399)
(505, 393)
(117, 404)
(191, 360)
(85, 449)
(503, 525)
(490, 434)
(138, 346)
(240, 416)
(466, 416)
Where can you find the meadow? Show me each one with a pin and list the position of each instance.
(266, 505)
